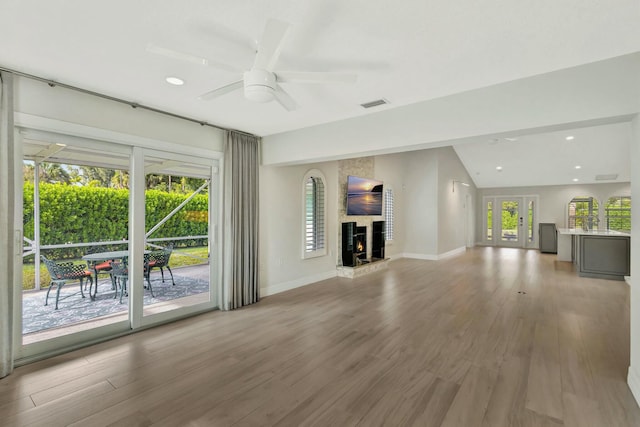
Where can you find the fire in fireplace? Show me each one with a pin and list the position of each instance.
(360, 243)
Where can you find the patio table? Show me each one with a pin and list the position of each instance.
(105, 256)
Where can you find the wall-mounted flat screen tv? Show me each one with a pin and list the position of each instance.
(364, 196)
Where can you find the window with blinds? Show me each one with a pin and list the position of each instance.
(314, 216)
(618, 214)
(388, 213)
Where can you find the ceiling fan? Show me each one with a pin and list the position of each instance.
(261, 82)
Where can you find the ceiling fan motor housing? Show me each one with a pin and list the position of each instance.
(259, 85)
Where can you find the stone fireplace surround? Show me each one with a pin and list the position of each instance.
(364, 167)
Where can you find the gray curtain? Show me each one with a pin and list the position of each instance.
(240, 267)
(8, 244)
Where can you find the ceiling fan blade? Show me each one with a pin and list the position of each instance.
(284, 99)
(270, 44)
(315, 77)
(187, 57)
(221, 91)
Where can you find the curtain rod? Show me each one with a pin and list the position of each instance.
(54, 83)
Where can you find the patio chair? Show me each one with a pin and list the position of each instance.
(159, 259)
(147, 271)
(99, 267)
(120, 275)
(120, 272)
(61, 273)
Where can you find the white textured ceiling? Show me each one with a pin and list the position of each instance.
(406, 52)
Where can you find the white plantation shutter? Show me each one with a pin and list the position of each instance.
(314, 221)
(388, 213)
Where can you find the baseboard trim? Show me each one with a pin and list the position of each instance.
(428, 257)
(633, 380)
(454, 252)
(420, 256)
(297, 283)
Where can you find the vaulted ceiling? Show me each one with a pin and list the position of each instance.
(404, 52)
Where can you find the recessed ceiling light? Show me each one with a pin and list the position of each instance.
(498, 168)
(578, 167)
(575, 179)
(511, 139)
(569, 138)
(174, 81)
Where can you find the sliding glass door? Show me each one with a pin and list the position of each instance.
(176, 263)
(115, 238)
(75, 206)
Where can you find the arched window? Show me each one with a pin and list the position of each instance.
(583, 213)
(314, 215)
(617, 213)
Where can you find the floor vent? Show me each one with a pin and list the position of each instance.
(375, 103)
(607, 177)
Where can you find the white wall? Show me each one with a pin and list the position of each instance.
(452, 210)
(281, 219)
(420, 214)
(634, 368)
(38, 99)
(553, 199)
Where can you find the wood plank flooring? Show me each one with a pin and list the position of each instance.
(493, 337)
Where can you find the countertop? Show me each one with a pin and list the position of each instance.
(580, 232)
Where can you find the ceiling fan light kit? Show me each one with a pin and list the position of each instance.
(259, 85)
(261, 82)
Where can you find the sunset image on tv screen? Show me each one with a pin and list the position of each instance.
(364, 196)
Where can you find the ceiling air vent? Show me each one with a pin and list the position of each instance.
(375, 103)
(607, 177)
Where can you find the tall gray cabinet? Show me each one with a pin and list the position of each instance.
(548, 237)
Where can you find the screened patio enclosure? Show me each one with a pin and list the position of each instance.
(82, 200)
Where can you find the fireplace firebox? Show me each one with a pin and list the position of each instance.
(354, 243)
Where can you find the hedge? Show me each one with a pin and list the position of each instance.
(74, 214)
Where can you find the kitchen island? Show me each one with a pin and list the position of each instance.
(597, 253)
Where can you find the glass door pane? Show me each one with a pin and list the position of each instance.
(530, 234)
(76, 202)
(510, 223)
(489, 228)
(177, 251)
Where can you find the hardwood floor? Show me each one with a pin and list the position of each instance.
(493, 337)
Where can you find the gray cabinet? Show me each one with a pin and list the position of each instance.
(548, 237)
(605, 257)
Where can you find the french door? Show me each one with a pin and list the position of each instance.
(511, 221)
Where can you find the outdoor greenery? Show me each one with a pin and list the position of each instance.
(89, 176)
(618, 214)
(78, 214)
(509, 222)
(81, 204)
